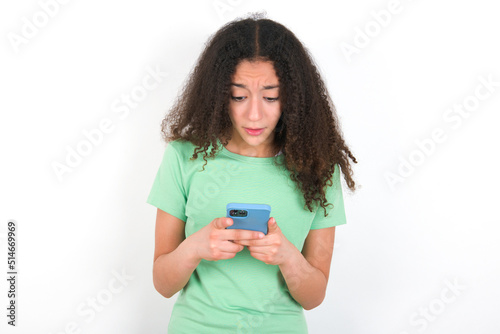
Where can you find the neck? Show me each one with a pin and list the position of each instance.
(250, 151)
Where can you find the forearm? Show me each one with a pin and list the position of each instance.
(306, 284)
(172, 271)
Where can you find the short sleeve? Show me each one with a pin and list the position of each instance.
(168, 193)
(336, 214)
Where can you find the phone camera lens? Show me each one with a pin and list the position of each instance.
(238, 213)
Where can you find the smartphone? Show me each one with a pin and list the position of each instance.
(248, 216)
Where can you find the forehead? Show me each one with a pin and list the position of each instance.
(255, 71)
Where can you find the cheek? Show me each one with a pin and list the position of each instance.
(234, 114)
(276, 112)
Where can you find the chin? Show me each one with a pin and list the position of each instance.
(254, 141)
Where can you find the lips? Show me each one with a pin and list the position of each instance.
(254, 132)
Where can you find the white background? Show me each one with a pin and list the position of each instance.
(403, 245)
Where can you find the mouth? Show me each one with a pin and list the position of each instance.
(255, 131)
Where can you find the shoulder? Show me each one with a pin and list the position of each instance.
(183, 149)
(180, 147)
(180, 144)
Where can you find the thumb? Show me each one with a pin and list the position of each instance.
(222, 223)
(272, 225)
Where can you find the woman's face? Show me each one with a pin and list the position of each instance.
(254, 108)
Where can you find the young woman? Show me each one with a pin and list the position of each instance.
(254, 124)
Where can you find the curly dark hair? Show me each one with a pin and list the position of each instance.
(308, 132)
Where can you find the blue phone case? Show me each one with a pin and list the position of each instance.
(255, 216)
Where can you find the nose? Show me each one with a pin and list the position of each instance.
(255, 109)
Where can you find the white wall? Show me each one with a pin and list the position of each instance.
(404, 244)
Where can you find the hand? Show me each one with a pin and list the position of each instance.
(273, 249)
(213, 242)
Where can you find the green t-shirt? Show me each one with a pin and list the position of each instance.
(242, 294)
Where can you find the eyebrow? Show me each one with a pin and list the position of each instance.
(264, 87)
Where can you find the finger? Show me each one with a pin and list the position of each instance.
(251, 242)
(271, 225)
(226, 255)
(231, 247)
(222, 223)
(239, 234)
(259, 249)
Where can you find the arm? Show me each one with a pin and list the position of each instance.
(176, 257)
(174, 260)
(306, 273)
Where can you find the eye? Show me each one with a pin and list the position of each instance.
(238, 98)
(272, 99)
